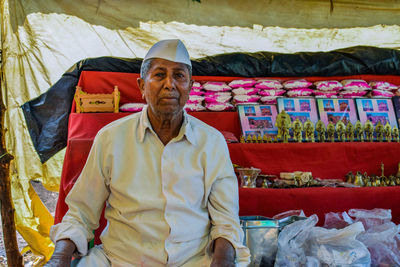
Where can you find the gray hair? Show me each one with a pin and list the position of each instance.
(146, 65)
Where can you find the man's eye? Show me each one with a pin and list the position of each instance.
(159, 74)
(180, 75)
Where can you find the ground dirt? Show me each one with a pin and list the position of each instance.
(50, 200)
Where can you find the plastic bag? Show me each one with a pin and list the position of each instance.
(339, 247)
(291, 243)
(381, 236)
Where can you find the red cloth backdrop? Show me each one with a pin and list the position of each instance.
(325, 160)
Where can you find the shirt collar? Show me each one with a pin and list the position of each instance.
(185, 131)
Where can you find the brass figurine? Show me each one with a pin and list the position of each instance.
(283, 124)
(309, 131)
(297, 131)
(350, 132)
(379, 131)
(358, 131)
(242, 140)
(395, 134)
(387, 129)
(369, 131)
(341, 131)
(248, 139)
(358, 179)
(321, 130)
(331, 132)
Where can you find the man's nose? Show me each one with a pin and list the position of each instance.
(169, 82)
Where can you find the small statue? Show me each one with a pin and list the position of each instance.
(321, 130)
(254, 139)
(398, 170)
(341, 131)
(350, 177)
(283, 124)
(242, 140)
(297, 131)
(259, 139)
(358, 131)
(265, 138)
(392, 180)
(369, 131)
(358, 179)
(331, 132)
(395, 134)
(379, 131)
(248, 139)
(387, 130)
(350, 132)
(309, 131)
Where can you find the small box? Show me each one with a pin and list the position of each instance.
(97, 102)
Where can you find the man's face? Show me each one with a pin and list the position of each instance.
(166, 87)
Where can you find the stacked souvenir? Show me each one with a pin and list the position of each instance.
(269, 90)
(327, 89)
(354, 88)
(244, 92)
(217, 96)
(196, 98)
(298, 88)
(382, 89)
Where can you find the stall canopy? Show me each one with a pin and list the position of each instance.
(42, 40)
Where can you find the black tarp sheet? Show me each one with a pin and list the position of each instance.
(47, 115)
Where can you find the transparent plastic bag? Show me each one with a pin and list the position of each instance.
(339, 247)
(292, 242)
(337, 220)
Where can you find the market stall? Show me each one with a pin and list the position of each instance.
(324, 160)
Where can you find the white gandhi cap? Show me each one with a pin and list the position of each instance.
(172, 50)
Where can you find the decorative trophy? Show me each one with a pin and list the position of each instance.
(321, 130)
(395, 134)
(350, 132)
(297, 128)
(358, 131)
(341, 131)
(283, 124)
(331, 132)
(387, 130)
(309, 131)
(379, 131)
(369, 131)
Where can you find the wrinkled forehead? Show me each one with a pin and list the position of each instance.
(167, 65)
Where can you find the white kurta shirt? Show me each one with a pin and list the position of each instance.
(164, 204)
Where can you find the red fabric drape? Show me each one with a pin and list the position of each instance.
(324, 160)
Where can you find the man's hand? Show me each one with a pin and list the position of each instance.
(224, 254)
(62, 254)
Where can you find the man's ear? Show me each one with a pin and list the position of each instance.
(140, 83)
(191, 85)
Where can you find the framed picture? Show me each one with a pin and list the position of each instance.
(396, 104)
(258, 119)
(334, 110)
(376, 109)
(299, 108)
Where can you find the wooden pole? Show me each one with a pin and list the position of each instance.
(14, 258)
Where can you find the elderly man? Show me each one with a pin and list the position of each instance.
(167, 180)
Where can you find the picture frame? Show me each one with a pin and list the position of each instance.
(376, 109)
(301, 108)
(337, 109)
(257, 119)
(396, 105)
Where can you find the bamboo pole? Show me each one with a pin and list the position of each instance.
(14, 258)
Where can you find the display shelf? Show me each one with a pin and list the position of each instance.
(324, 160)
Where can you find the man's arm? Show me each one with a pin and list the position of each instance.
(224, 253)
(62, 254)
